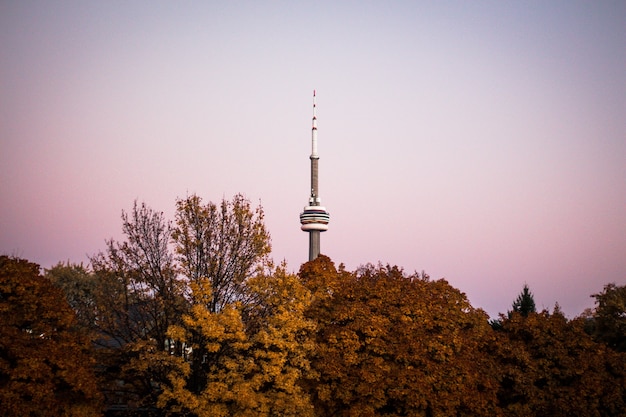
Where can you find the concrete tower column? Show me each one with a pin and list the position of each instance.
(314, 244)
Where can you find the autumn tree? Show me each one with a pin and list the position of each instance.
(223, 243)
(550, 366)
(389, 343)
(46, 367)
(255, 353)
(218, 247)
(139, 295)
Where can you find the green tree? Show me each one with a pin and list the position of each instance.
(255, 353)
(524, 304)
(395, 344)
(46, 367)
(609, 317)
(79, 286)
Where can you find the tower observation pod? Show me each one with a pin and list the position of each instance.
(314, 219)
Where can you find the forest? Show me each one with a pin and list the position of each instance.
(192, 317)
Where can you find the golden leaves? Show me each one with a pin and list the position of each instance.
(255, 353)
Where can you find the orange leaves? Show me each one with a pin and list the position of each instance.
(45, 364)
(390, 343)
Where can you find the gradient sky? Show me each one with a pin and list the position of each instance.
(483, 142)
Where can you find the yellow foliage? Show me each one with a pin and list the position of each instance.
(256, 352)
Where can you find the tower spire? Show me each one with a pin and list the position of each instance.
(314, 130)
(314, 219)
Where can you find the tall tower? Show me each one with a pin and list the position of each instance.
(314, 219)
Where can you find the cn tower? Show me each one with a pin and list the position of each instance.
(314, 219)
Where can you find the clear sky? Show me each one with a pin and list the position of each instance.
(483, 142)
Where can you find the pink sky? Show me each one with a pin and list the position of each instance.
(483, 142)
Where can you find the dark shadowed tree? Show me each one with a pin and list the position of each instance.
(139, 295)
(46, 367)
(609, 317)
(549, 366)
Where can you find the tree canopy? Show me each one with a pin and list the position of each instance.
(46, 367)
(255, 354)
(550, 366)
(223, 244)
(389, 343)
(192, 318)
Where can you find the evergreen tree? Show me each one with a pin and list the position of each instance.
(525, 303)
